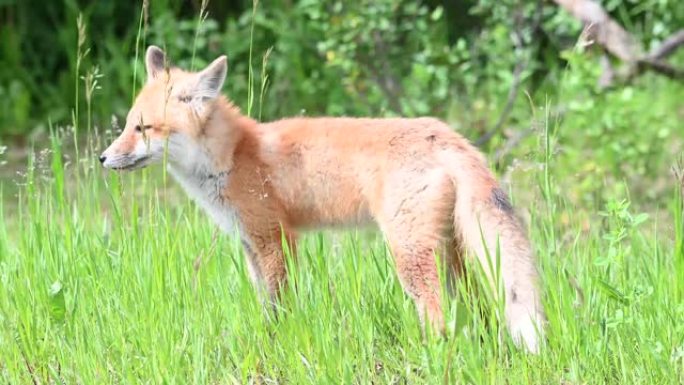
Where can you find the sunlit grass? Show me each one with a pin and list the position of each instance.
(126, 281)
(118, 278)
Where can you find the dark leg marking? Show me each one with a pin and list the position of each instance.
(500, 200)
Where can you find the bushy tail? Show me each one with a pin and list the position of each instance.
(488, 227)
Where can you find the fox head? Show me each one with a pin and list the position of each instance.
(171, 108)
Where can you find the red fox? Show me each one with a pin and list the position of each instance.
(426, 187)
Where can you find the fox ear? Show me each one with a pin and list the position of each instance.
(210, 80)
(155, 62)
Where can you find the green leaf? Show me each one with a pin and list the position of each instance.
(611, 291)
(437, 13)
(57, 303)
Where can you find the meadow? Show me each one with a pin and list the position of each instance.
(119, 278)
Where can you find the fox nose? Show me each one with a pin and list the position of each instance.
(102, 158)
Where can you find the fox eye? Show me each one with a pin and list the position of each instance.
(185, 98)
(140, 128)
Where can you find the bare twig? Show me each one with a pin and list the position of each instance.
(510, 101)
(29, 368)
(510, 144)
(517, 76)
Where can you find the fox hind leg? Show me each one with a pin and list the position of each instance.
(414, 224)
(417, 271)
(452, 255)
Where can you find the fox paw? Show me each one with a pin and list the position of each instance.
(528, 333)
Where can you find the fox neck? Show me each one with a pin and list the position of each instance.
(203, 164)
(210, 152)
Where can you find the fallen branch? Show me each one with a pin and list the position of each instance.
(605, 31)
(601, 29)
(668, 47)
(659, 67)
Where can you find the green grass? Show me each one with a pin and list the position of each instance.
(118, 278)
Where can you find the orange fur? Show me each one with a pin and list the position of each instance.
(426, 187)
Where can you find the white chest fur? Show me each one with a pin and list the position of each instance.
(192, 168)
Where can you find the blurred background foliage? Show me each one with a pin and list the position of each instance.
(454, 59)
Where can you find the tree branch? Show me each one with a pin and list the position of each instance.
(669, 46)
(604, 30)
(661, 68)
(618, 42)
